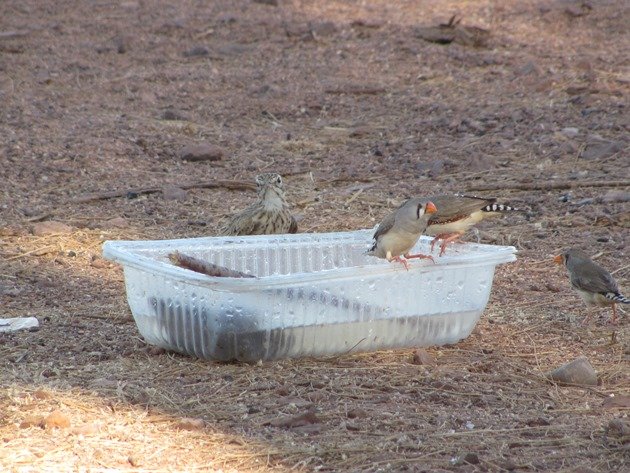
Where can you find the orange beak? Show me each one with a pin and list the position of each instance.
(557, 259)
(431, 208)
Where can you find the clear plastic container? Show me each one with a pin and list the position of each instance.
(314, 294)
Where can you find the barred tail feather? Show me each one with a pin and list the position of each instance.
(615, 296)
(498, 208)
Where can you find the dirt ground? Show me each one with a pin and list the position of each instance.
(357, 111)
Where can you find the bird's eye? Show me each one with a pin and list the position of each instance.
(279, 180)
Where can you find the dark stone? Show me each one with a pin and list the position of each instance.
(201, 152)
(196, 51)
(600, 149)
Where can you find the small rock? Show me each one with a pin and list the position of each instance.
(57, 419)
(600, 150)
(361, 131)
(570, 132)
(323, 29)
(30, 211)
(471, 458)
(190, 423)
(155, 351)
(357, 413)
(261, 90)
(579, 372)
(50, 227)
(619, 428)
(527, 69)
(99, 263)
(173, 115)
(295, 421)
(201, 152)
(537, 422)
(196, 51)
(32, 421)
(422, 357)
(174, 193)
(317, 396)
(117, 222)
(133, 460)
(479, 163)
(351, 426)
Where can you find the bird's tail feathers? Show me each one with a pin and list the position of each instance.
(499, 208)
(615, 296)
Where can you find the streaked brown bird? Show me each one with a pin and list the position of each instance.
(399, 231)
(593, 283)
(270, 215)
(456, 214)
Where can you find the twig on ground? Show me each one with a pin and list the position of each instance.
(232, 185)
(544, 186)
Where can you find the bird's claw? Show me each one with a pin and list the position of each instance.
(421, 256)
(402, 261)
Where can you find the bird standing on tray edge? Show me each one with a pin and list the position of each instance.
(456, 214)
(595, 285)
(399, 231)
(270, 215)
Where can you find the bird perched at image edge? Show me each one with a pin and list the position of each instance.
(270, 215)
(595, 285)
(399, 231)
(457, 213)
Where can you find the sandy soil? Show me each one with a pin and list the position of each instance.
(357, 111)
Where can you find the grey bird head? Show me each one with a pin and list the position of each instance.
(414, 214)
(571, 257)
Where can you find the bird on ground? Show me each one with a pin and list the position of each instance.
(457, 214)
(593, 283)
(270, 215)
(399, 231)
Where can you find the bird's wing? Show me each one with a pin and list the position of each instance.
(240, 224)
(454, 207)
(386, 225)
(591, 277)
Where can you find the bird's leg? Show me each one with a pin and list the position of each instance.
(613, 321)
(441, 236)
(420, 256)
(401, 260)
(437, 238)
(451, 238)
